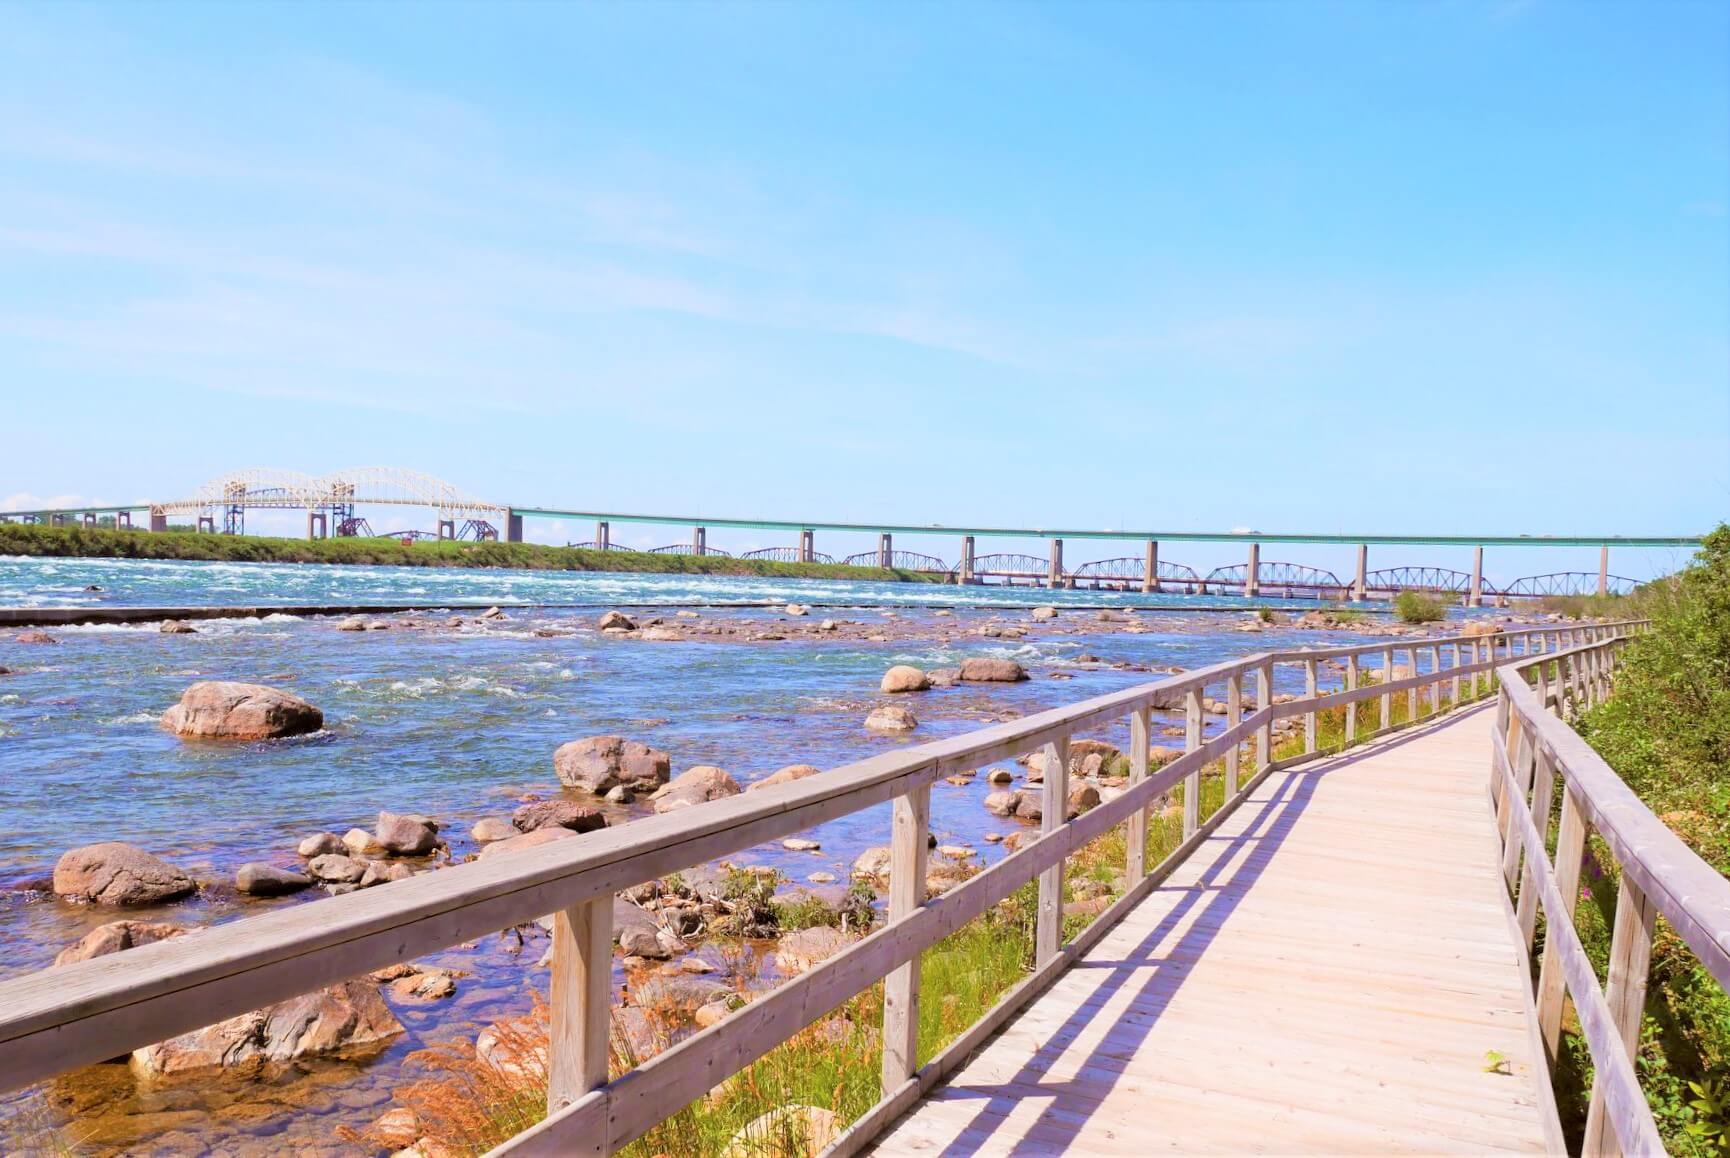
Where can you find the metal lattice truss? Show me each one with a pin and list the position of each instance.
(687, 549)
(787, 555)
(901, 561)
(1440, 580)
(1570, 583)
(1129, 567)
(1276, 575)
(269, 487)
(1015, 566)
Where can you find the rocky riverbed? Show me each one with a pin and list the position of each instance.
(442, 738)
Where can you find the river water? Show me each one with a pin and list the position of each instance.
(460, 722)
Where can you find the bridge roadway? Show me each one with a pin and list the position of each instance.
(1335, 970)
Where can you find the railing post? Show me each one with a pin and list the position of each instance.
(1630, 962)
(1233, 717)
(1192, 782)
(1520, 763)
(1552, 987)
(580, 1001)
(1048, 937)
(1543, 791)
(1310, 695)
(1135, 829)
(1264, 699)
(1412, 692)
(1387, 678)
(1352, 708)
(910, 823)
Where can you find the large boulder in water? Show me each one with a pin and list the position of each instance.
(981, 669)
(117, 937)
(696, 785)
(221, 710)
(601, 762)
(904, 677)
(112, 873)
(347, 1016)
(404, 834)
(257, 879)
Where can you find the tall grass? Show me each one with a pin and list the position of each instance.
(1416, 607)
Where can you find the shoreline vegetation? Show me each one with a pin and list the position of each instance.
(95, 543)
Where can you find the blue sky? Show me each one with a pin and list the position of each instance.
(1450, 267)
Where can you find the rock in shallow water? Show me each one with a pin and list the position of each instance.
(526, 840)
(785, 775)
(112, 873)
(696, 785)
(349, 1015)
(600, 762)
(223, 710)
(258, 879)
(559, 814)
(904, 678)
(116, 937)
(980, 669)
(891, 719)
(406, 835)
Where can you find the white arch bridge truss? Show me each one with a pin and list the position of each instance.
(337, 493)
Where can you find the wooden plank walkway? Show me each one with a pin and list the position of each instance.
(1335, 970)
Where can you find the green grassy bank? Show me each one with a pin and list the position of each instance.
(81, 542)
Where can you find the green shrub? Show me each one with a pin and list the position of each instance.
(1416, 607)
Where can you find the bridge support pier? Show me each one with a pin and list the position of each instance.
(1054, 576)
(699, 541)
(603, 535)
(885, 550)
(1604, 570)
(158, 522)
(965, 568)
(90, 519)
(1360, 584)
(1252, 572)
(807, 545)
(1150, 568)
(318, 526)
(513, 527)
(1475, 597)
(207, 524)
(123, 520)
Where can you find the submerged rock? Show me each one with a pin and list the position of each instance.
(117, 937)
(35, 637)
(113, 873)
(346, 1016)
(223, 710)
(891, 719)
(598, 763)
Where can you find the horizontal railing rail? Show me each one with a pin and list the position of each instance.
(1536, 751)
(62, 1018)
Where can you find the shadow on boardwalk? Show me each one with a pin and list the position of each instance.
(1144, 979)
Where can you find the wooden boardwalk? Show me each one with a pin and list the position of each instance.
(1335, 970)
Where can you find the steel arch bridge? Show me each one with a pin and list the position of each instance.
(900, 561)
(1431, 580)
(1281, 576)
(1008, 567)
(1129, 569)
(1568, 583)
(687, 549)
(787, 555)
(332, 497)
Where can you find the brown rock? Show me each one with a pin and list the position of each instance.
(891, 718)
(1001, 803)
(221, 710)
(335, 868)
(696, 785)
(799, 951)
(1481, 627)
(346, 1016)
(560, 813)
(258, 879)
(402, 835)
(617, 621)
(1082, 797)
(533, 839)
(980, 669)
(492, 828)
(35, 637)
(600, 762)
(176, 627)
(785, 775)
(116, 937)
(112, 873)
(320, 843)
(904, 678)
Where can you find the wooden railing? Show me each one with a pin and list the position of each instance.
(63, 1018)
(1660, 877)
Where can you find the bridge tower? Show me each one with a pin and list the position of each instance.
(513, 527)
(1475, 597)
(1252, 573)
(1150, 568)
(964, 570)
(1054, 577)
(885, 550)
(699, 541)
(1360, 584)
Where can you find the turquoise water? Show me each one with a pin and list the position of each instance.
(461, 723)
(134, 582)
